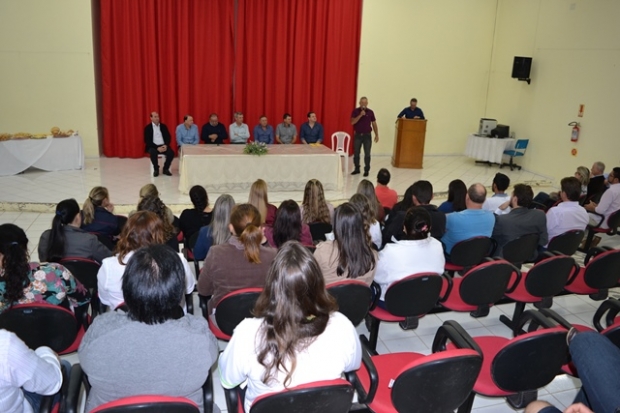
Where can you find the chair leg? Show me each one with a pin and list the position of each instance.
(373, 327)
(482, 311)
(586, 246)
(519, 308)
(467, 404)
(546, 302)
(521, 400)
(602, 294)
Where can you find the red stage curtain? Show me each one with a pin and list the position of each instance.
(298, 56)
(175, 57)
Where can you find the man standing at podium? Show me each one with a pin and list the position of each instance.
(412, 112)
(364, 122)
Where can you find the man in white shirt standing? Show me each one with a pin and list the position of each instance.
(610, 201)
(568, 215)
(239, 131)
(501, 183)
(26, 375)
(157, 141)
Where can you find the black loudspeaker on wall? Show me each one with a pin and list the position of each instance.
(521, 68)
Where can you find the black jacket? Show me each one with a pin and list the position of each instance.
(394, 224)
(148, 136)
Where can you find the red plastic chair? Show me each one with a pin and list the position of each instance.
(469, 253)
(232, 309)
(353, 297)
(85, 271)
(601, 272)
(613, 222)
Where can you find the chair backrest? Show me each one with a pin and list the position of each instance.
(159, 404)
(83, 269)
(234, 308)
(41, 324)
(613, 222)
(613, 334)
(521, 144)
(414, 295)
(472, 251)
(342, 141)
(530, 361)
(603, 271)
(191, 242)
(548, 277)
(331, 396)
(521, 249)
(353, 297)
(319, 229)
(440, 382)
(566, 243)
(486, 283)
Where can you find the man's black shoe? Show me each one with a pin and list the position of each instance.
(365, 173)
(355, 172)
(167, 172)
(156, 172)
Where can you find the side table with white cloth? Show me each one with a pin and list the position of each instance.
(49, 154)
(487, 150)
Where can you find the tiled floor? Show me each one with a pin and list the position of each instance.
(124, 177)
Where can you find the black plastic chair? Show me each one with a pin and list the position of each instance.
(318, 231)
(601, 272)
(520, 250)
(188, 247)
(415, 383)
(85, 271)
(468, 253)
(540, 284)
(566, 243)
(329, 396)
(232, 309)
(516, 368)
(353, 297)
(479, 288)
(405, 300)
(613, 222)
(43, 324)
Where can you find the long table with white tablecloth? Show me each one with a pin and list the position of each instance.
(284, 168)
(487, 149)
(49, 154)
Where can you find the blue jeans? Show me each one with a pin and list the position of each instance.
(598, 362)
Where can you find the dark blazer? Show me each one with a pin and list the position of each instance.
(396, 220)
(596, 187)
(519, 222)
(78, 243)
(148, 136)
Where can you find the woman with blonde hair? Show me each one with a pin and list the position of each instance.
(143, 228)
(583, 174)
(314, 208)
(149, 190)
(371, 225)
(98, 216)
(242, 262)
(258, 198)
(297, 337)
(366, 188)
(217, 232)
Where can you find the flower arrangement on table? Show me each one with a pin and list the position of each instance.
(255, 148)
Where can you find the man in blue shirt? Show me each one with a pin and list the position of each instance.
(187, 132)
(412, 112)
(472, 222)
(311, 131)
(263, 132)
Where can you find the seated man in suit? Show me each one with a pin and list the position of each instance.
(214, 131)
(568, 215)
(422, 194)
(521, 220)
(472, 222)
(157, 141)
(501, 182)
(610, 200)
(596, 186)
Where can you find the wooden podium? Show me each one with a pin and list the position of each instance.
(409, 143)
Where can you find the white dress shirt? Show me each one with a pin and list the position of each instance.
(158, 138)
(492, 204)
(610, 203)
(566, 216)
(35, 371)
(110, 280)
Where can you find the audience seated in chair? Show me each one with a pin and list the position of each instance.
(472, 222)
(567, 215)
(313, 207)
(366, 188)
(258, 198)
(193, 219)
(349, 255)
(610, 201)
(26, 375)
(23, 282)
(457, 192)
(386, 196)
(364, 205)
(66, 239)
(291, 342)
(520, 220)
(422, 194)
(597, 185)
(217, 232)
(416, 251)
(288, 226)
(242, 262)
(500, 184)
(154, 348)
(98, 215)
(156, 206)
(143, 228)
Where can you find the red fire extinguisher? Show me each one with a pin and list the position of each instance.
(574, 136)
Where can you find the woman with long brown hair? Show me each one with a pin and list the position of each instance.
(242, 262)
(314, 208)
(292, 339)
(143, 228)
(157, 206)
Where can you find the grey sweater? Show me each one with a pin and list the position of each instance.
(127, 358)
